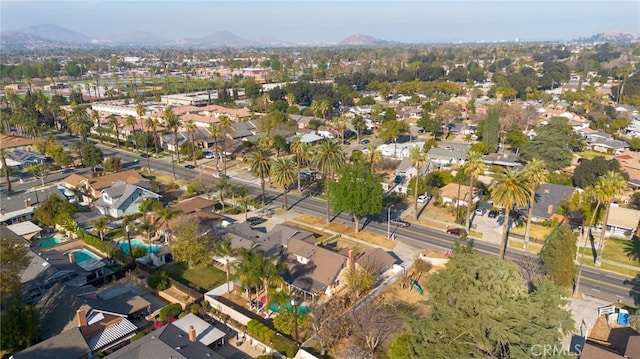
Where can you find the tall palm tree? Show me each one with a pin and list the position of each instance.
(150, 125)
(225, 124)
(375, 156)
(535, 173)
(283, 174)
(131, 121)
(340, 123)
(172, 124)
(165, 215)
(473, 167)
(191, 127)
(246, 271)
(613, 185)
(114, 123)
(100, 225)
(79, 121)
(228, 254)
(3, 158)
(301, 151)
(508, 189)
(417, 158)
(359, 124)
(95, 117)
(260, 166)
(328, 158)
(268, 270)
(214, 132)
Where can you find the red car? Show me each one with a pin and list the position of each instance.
(456, 231)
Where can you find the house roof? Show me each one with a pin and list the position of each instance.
(376, 260)
(121, 192)
(548, 198)
(449, 151)
(193, 204)
(205, 332)
(102, 182)
(168, 341)
(24, 228)
(271, 243)
(112, 333)
(623, 217)
(321, 270)
(14, 141)
(452, 190)
(69, 344)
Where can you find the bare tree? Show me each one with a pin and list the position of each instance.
(328, 323)
(372, 324)
(204, 184)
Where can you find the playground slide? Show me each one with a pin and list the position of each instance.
(417, 286)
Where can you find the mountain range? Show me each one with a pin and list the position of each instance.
(55, 36)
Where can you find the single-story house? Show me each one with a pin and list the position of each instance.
(548, 198)
(449, 153)
(458, 195)
(622, 221)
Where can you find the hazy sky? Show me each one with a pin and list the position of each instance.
(310, 21)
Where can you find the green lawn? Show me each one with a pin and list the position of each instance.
(591, 154)
(613, 251)
(205, 277)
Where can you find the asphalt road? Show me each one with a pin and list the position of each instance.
(600, 284)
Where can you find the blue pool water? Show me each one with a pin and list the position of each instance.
(49, 242)
(82, 255)
(138, 243)
(302, 310)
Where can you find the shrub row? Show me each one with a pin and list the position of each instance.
(266, 335)
(103, 246)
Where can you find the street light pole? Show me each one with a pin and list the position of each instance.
(389, 222)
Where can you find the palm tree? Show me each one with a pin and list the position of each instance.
(100, 225)
(191, 127)
(301, 151)
(165, 215)
(225, 252)
(417, 158)
(214, 132)
(340, 123)
(283, 174)
(131, 121)
(328, 158)
(359, 124)
(613, 185)
(260, 165)
(509, 189)
(150, 125)
(172, 124)
(473, 167)
(114, 123)
(246, 270)
(95, 117)
(3, 158)
(535, 173)
(79, 121)
(375, 155)
(268, 270)
(225, 123)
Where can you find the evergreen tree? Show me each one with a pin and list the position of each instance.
(491, 129)
(558, 255)
(482, 308)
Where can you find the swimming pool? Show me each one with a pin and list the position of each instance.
(302, 309)
(82, 255)
(49, 242)
(138, 243)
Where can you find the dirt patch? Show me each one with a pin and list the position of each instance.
(347, 230)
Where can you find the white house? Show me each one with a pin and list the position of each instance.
(122, 199)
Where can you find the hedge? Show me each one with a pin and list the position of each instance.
(284, 345)
(103, 246)
(171, 310)
(267, 335)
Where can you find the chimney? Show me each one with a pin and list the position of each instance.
(192, 334)
(71, 258)
(352, 260)
(550, 209)
(27, 202)
(82, 318)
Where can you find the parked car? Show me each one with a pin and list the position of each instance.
(364, 141)
(144, 155)
(456, 231)
(423, 199)
(479, 211)
(189, 167)
(209, 155)
(400, 223)
(254, 221)
(493, 213)
(348, 143)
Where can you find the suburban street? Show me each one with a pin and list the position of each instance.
(597, 283)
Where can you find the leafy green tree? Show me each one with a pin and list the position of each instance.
(357, 191)
(467, 320)
(558, 255)
(54, 210)
(39, 170)
(589, 170)
(14, 258)
(391, 130)
(553, 144)
(19, 325)
(112, 164)
(285, 322)
(190, 244)
(491, 129)
(515, 137)
(159, 280)
(91, 155)
(358, 280)
(509, 189)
